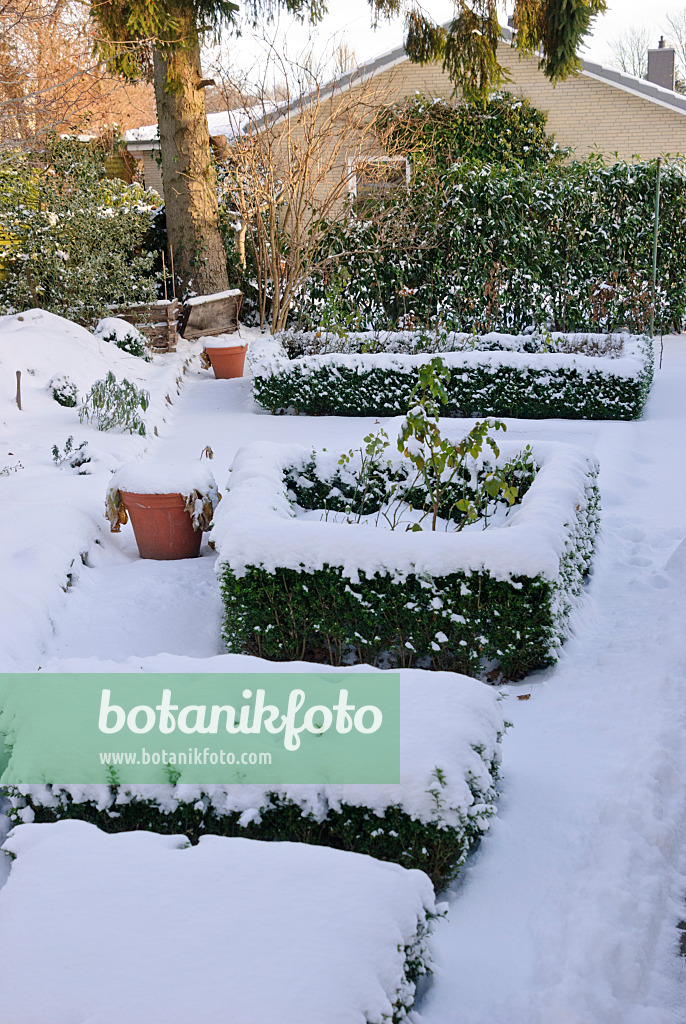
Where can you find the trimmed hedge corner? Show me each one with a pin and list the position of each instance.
(585, 376)
(338, 593)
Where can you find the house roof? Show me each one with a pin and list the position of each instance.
(225, 122)
(640, 87)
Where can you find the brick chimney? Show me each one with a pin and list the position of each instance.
(661, 65)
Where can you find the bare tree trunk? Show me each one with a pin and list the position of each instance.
(189, 181)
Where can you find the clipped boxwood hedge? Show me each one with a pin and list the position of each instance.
(333, 593)
(450, 741)
(563, 376)
(433, 847)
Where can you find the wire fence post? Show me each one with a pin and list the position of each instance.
(655, 232)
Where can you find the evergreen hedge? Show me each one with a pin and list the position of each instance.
(529, 385)
(435, 847)
(332, 593)
(72, 241)
(489, 247)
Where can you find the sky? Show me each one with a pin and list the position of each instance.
(349, 21)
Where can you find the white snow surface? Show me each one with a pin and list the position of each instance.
(149, 476)
(444, 716)
(114, 326)
(198, 300)
(222, 122)
(52, 517)
(255, 524)
(222, 341)
(568, 912)
(139, 927)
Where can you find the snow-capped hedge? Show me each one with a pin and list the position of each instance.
(582, 376)
(450, 734)
(271, 932)
(326, 591)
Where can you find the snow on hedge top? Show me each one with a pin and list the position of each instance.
(148, 476)
(144, 929)
(447, 721)
(256, 525)
(620, 355)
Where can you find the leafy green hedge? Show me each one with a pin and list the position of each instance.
(435, 847)
(575, 387)
(291, 593)
(491, 247)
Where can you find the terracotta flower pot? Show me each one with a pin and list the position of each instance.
(227, 361)
(162, 527)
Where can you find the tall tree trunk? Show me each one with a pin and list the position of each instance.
(187, 173)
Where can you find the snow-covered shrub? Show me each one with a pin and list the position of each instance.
(73, 455)
(122, 334)
(533, 376)
(492, 247)
(337, 592)
(192, 480)
(64, 391)
(71, 238)
(289, 933)
(113, 404)
(450, 740)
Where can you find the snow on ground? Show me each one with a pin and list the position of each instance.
(568, 912)
(52, 515)
(230, 929)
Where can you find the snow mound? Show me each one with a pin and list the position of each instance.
(143, 928)
(43, 345)
(113, 327)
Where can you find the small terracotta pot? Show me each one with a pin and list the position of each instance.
(227, 361)
(162, 527)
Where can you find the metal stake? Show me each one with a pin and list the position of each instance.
(655, 231)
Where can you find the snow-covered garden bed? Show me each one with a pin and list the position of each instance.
(569, 376)
(57, 461)
(450, 734)
(298, 583)
(270, 932)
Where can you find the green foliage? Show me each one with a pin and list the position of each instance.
(467, 47)
(555, 28)
(70, 238)
(434, 134)
(454, 623)
(64, 391)
(335, 386)
(434, 847)
(131, 29)
(111, 404)
(485, 248)
(132, 342)
(464, 621)
(75, 456)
